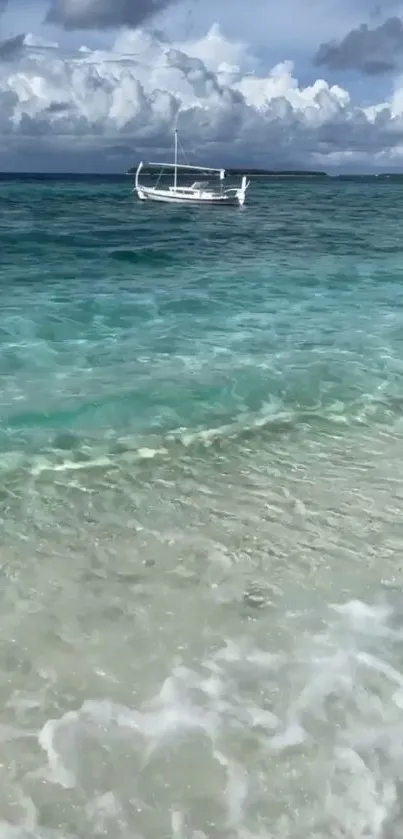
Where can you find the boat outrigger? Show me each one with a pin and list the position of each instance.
(200, 192)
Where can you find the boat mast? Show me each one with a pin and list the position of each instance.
(176, 159)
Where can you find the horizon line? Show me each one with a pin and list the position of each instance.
(253, 170)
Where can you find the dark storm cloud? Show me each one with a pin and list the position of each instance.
(103, 14)
(373, 51)
(12, 48)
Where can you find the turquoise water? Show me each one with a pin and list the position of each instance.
(148, 324)
(201, 442)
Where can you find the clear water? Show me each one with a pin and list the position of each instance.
(201, 491)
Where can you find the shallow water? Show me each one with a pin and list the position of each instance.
(200, 496)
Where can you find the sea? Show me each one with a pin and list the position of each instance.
(201, 512)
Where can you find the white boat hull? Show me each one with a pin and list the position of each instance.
(172, 197)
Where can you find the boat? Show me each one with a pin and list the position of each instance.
(199, 192)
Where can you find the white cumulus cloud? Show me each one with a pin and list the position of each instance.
(103, 109)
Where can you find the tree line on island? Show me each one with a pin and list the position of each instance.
(250, 172)
(272, 173)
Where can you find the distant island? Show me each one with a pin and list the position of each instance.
(392, 177)
(258, 173)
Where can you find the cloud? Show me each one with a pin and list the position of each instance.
(104, 14)
(11, 48)
(103, 109)
(372, 51)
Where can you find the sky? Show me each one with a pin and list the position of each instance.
(96, 85)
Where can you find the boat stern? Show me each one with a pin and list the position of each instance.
(241, 193)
